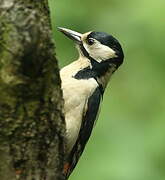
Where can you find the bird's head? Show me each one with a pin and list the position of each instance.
(99, 47)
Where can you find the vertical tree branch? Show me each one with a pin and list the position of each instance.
(31, 119)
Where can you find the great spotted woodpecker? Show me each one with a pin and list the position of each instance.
(83, 85)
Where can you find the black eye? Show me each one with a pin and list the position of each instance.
(90, 41)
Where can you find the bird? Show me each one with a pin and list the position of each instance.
(83, 84)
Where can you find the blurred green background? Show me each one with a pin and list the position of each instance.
(128, 142)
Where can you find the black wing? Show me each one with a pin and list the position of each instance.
(85, 131)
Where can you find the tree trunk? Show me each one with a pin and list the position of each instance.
(32, 125)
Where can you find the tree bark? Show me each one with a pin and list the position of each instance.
(32, 124)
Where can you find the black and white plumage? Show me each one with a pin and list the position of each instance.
(83, 85)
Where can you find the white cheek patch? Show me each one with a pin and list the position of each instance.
(100, 52)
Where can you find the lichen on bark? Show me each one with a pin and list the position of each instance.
(31, 120)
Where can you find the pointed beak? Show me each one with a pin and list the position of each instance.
(75, 36)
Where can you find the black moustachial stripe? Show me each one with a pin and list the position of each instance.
(98, 69)
(85, 53)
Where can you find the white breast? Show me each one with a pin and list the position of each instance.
(75, 93)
